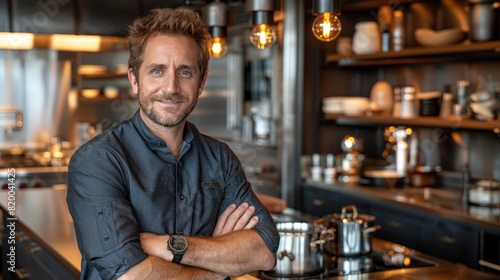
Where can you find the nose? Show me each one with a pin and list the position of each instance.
(170, 84)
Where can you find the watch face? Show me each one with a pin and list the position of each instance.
(178, 243)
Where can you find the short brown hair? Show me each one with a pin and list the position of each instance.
(180, 21)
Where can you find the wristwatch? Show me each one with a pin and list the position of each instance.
(177, 244)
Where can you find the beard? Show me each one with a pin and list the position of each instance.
(146, 103)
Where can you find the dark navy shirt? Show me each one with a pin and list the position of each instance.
(125, 181)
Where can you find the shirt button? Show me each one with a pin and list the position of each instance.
(100, 212)
(182, 197)
(106, 237)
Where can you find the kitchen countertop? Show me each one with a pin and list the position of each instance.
(444, 202)
(44, 216)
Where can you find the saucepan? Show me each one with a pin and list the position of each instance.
(353, 232)
(299, 252)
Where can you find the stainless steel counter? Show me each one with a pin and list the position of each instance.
(42, 214)
(445, 202)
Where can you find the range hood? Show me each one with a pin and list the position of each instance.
(72, 25)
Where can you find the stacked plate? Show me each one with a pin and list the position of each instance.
(347, 105)
(332, 105)
(429, 103)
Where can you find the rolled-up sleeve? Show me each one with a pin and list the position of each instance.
(106, 228)
(238, 190)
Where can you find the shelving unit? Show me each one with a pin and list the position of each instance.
(454, 123)
(460, 52)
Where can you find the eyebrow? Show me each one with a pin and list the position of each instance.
(163, 66)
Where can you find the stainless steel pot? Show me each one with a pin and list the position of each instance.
(353, 232)
(485, 193)
(299, 251)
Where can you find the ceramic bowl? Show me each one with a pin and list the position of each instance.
(90, 92)
(431, 38)
(355, 106)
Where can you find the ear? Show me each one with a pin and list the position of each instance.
(202, 84)
(133, 81)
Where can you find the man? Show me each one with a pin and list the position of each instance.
(152, 198)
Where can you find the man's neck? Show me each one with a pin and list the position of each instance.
(172, 136)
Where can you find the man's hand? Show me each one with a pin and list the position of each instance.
(235, 218)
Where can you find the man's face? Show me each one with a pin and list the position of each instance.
(169, 79)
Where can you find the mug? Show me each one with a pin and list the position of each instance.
(366, 39)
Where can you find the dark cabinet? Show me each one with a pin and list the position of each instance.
(4, 16)
(43, 17)
(453, 242)
(108, 17)
(400, 227)
(319, 202)
(31, 260)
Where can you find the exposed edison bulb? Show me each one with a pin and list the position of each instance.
(326, 27)
(218, 47)
(263, 36)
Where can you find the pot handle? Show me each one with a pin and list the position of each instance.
(371, 229)
(352, 208)
(325, 236)
(284, 254)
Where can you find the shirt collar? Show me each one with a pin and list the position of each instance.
(154, 141)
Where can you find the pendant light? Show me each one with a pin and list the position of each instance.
(263, 34)
(326, 26)
(215, 16)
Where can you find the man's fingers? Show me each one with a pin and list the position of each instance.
(221, 222)
(244, 218)
(253, 221)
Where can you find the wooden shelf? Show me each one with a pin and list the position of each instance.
(461, 52)
(106, 75)
(454, 123)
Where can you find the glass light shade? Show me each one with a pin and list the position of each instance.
(326, 27)
(218, 47)
(263, 36)
(16, 41)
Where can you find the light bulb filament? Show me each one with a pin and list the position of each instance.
(218, 47)
(263, 34)
(327, 25)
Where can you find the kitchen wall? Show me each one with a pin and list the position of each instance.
(38, 83)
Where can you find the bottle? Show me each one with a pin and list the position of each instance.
(330, 172)
(316, 169)
(386, 38)
(408, 108)
(446, 109)
(396, 107)
(397, 31)
(462, 98)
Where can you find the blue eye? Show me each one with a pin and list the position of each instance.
(185, 73)
(156, 71)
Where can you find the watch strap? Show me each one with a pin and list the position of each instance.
(177, 257)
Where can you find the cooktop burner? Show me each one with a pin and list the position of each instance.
(340, 266)
(18, 161)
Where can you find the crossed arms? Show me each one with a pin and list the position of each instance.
(234, 249)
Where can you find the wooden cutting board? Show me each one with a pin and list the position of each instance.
(273, 204)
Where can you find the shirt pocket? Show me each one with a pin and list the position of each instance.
(106, 227)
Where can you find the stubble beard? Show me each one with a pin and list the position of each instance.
(146, 104)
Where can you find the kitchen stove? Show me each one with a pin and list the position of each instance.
(24, 171)
(358, 266)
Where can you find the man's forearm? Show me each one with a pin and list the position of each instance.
(232, 254)
(153, 268)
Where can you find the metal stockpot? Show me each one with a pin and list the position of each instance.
(353, 232)
(299, 251)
